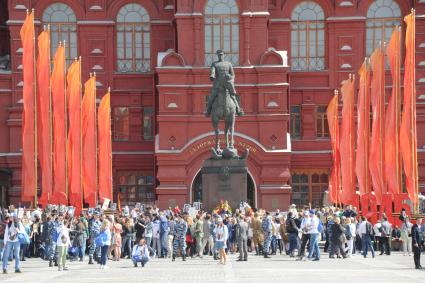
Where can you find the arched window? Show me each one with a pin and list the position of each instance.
(133, 39)
(63, 27)
(382, 16)
(222, 30)
(307, 37)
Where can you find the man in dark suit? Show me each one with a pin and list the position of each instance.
(416, 243)
(242, 238)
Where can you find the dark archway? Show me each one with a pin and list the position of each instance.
(197, 189)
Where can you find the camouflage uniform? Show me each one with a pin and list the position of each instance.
(267, 229)
(52, 233)
(180, 229)
(94, 232)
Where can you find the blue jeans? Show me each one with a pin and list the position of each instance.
(293, 242)
(164, 244)
(7, 249)
(83, 247)
(314, 246)
(142, 259)
(103, 254)
(367, 244)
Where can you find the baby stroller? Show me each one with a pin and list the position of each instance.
(73, 253)
(73, 250)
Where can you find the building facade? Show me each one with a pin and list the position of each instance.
(289, 57)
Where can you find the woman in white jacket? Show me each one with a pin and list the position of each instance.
(62, 244)
(221, 236)
(13, 227)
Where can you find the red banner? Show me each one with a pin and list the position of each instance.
(392, 119)
(376, 158)
(105, 148)
(44, 124)
(332, 114)
(347, 142)
(408, 137)
(29, 158)
(59, 128)
(88, 108)
(74, 152)
(363, 130)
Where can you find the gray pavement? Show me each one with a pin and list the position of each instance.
(386, 269)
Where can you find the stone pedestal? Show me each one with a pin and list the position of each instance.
(224, 180)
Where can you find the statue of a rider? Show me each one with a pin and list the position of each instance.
(222, 75)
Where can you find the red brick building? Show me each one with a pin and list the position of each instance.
(289, 56)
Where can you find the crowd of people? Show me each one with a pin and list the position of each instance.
(139, 235)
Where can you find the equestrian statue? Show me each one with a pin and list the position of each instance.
(223, 105)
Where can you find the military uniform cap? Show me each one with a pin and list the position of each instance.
(219, 52)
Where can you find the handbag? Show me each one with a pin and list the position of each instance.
(23, 238)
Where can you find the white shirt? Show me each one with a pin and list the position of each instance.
(221, 234)
(362, 227)
(155, 229)
(314, 224)
(353, 229)
(140, 250)
(376, 228)
(305, 223)
(13, 230)
(64, 232)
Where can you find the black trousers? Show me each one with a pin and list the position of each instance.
(304, 240)
(384, 245)
(417, 256)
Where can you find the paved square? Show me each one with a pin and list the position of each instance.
(386, 269)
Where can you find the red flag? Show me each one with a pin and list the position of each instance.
(347, 142)
(408, 136)
(392, 118)
(44, 116)
(332, 114)
(376, 158)
(29, 133)
(74, 152)
(88, 108)
(363, 130)
(105, 148)
(60, 195)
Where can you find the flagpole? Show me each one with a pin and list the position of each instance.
(95, 140)
(413, 111)
(110, 142)
(81, 141)
(35, 122)
(382, 115)
(50, 122)
(398, 111)
(352, 78)
(66, 126)
(366, 127)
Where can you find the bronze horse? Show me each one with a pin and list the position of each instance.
(223, 108)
